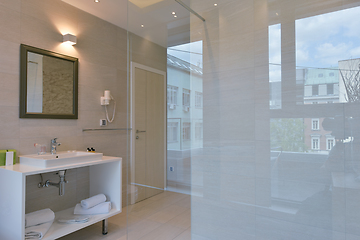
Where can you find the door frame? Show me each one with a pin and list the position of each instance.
(134, 65)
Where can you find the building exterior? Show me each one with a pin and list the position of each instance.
(316, 138)
(184, 104)
(185, 120)
(320, 85)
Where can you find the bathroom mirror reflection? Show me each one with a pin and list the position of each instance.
(48, 87)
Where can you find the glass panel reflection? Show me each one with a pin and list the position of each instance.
(275, 66)
(184, 112)
(327, 52)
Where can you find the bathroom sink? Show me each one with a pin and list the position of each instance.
(59, 159)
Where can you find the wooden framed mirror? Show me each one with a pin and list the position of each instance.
(48, 84)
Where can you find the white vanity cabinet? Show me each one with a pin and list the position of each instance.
(105, 177)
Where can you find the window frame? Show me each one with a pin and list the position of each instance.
(312, 143)
(173, 140)
(186, 96)
(186, 131)
(313, 120)
(198, 99)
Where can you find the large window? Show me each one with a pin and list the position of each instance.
(275, 66)
(327, 50)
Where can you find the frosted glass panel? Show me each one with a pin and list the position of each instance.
(291, 170)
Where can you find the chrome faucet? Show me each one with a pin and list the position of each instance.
(54, 144)
(60, 184)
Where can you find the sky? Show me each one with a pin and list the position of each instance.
(321, 41)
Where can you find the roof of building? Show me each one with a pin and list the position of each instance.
(321, 76)
(183, 65)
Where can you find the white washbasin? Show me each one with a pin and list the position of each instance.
(59, 159)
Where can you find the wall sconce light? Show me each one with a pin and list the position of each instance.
(69, 39)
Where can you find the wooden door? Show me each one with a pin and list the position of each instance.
(149, 127)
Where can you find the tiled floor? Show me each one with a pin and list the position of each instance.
(165, 216)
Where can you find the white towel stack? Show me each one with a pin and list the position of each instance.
(38, 223)
(94, 205)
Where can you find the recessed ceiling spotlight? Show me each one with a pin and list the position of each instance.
(277, 14)
(173, 13)
(142, 25)
(215, 4)
(175, 16)
(96, 1)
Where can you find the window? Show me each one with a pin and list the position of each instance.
(322, 90)
(186, 131)
(315, 143)
(330, 142)
(330, 88)
(186, 97)
(315, 124)
(320, 75)
(172, 132)
(198, 130)
(315, 90)
(308, 91)
(172, 95)
(331, 74)
(198, 99)
(275, 66)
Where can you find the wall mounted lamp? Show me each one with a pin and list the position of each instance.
(69, 39)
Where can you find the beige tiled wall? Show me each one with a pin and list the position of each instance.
(102, 53)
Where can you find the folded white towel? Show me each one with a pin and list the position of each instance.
(95, 200)
(101, 208)
(38, 217)
(38, 231)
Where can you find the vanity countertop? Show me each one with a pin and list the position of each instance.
(30, 170)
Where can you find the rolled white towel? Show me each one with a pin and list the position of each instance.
(38, 217)
(101, 208)
(38, 231)
(95, 200)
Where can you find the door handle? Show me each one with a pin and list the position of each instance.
(137, 137)
(137, 131)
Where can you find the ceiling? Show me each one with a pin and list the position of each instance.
(159, 24)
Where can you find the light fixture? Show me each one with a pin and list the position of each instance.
(173, 13)
(215, 4)
(96, 1)
(142, 25)
(69, 39)
(175, 16)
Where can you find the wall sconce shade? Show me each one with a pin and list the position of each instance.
(70, 39)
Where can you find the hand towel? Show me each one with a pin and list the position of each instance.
(38, 231)
(91, 202)
(38, 217)
(101, 208)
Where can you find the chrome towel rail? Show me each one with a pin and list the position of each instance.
(106, 129)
